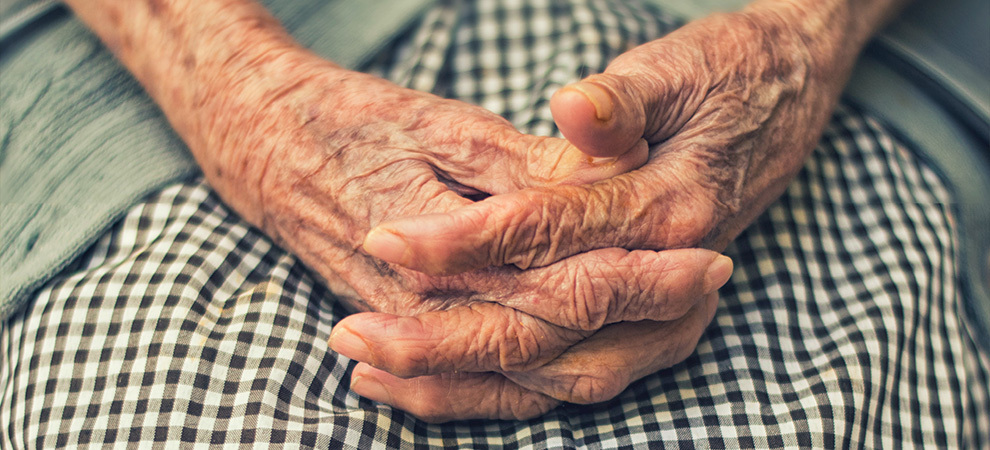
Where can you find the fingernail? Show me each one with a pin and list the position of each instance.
(718, 273)
(371, 389)
(598, 97)
(351, 345)
(386, 245)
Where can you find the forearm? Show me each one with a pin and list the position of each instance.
(835, 31)
(809, 48)
(211, 66)
(184, 51)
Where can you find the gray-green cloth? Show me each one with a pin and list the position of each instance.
(71, 117)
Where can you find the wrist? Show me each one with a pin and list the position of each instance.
(247, 114)
(833, 32)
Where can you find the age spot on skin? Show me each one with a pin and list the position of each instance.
(189, 62)
(114, 15)
(155, 7)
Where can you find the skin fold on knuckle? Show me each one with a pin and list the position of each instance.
(576, 294)
(598, 383)
(486, 336)
(518, 346)
(624, 203)
(528, 235)
(559, 223)
(638, 288)
(591, 297)
(517, 403)
(582, 377)
(404, 358)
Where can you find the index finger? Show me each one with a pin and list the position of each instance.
(535, 227)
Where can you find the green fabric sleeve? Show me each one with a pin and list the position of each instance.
(80, 141)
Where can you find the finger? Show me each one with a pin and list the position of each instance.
(590, 290)
(506, 160)
(602, 366)
(551, 161)
(596, 370)
(489, 337)
(601, 119)
(646, 93)
(484, 152)
(480, 337)
(661, 208)
(450, 397)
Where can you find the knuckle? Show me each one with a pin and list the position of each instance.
(519, 350)
(635, 293)
(408, 364)
(530, 237)
(590, 298)
(625, 211)
(408, 358)
(598, 385)
(432, 412)
(545, 161)
(526, 343)
(526, 405)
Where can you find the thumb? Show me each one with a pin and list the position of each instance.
(644, 96)
(602, 115)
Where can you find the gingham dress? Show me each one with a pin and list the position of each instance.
(842, 325)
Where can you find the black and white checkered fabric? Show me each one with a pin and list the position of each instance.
(841, 327)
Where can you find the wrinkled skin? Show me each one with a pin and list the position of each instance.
(718, 101)
(331, 162)
(317, 156)
(730, 105)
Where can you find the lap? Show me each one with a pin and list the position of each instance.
(842, 325)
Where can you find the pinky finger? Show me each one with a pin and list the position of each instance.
(602, 366)
(451, 396)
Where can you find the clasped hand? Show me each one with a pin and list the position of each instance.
(728, 125)
(501, 273)
(336, 153)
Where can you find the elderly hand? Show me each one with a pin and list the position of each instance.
(316, 156)
(731, 106)
(339, 153)
(595, 369)
(331, 176)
